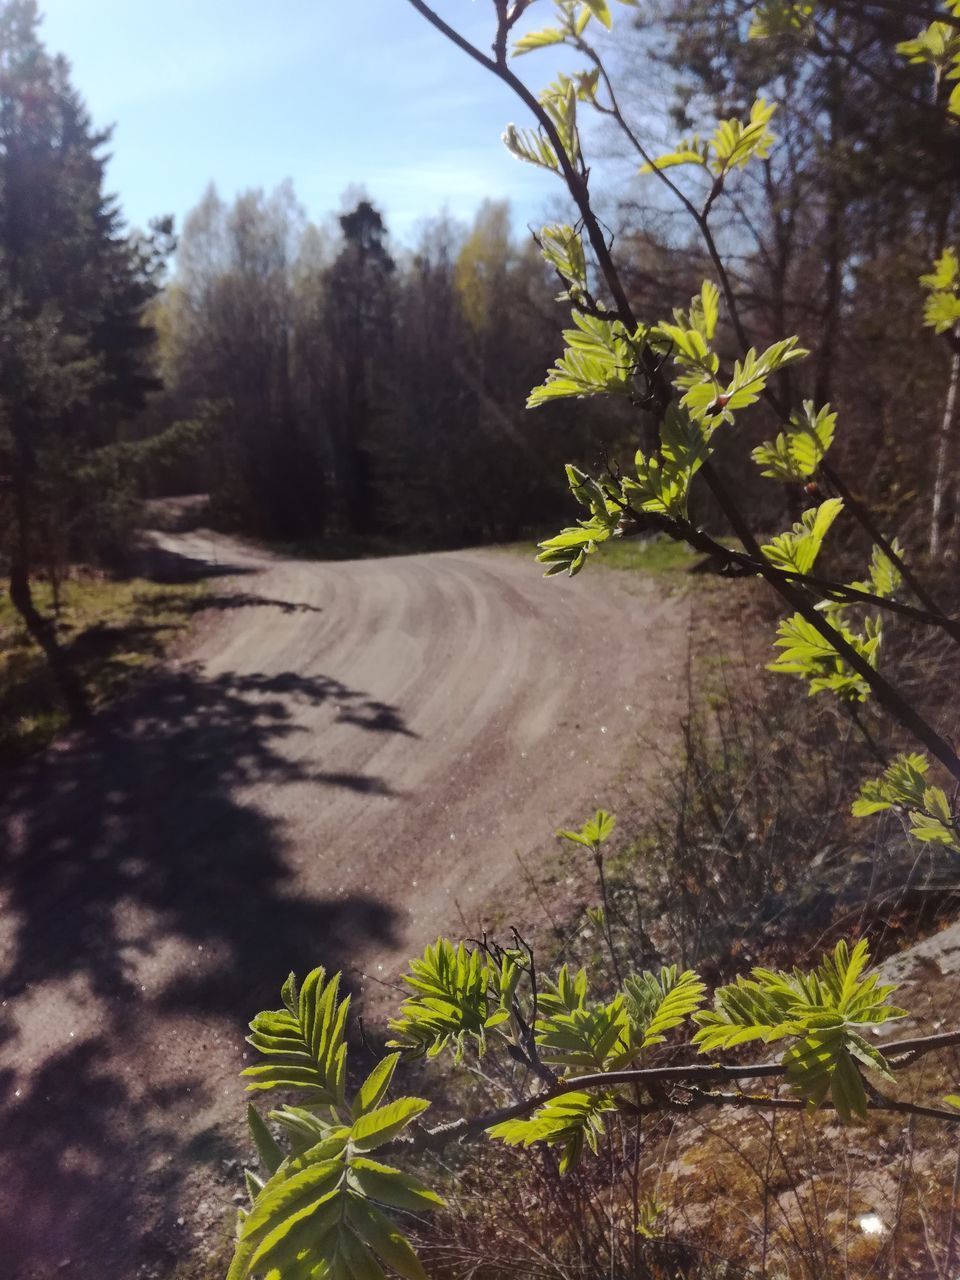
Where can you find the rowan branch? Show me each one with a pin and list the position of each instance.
(694, 1081)
(662, 392)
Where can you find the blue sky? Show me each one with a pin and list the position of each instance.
(327, 92)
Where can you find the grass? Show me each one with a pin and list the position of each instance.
(111, 631)
(647, 555)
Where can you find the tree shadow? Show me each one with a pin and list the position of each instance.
(127, 838)
(244, 600)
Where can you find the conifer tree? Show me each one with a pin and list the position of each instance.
(73, 345)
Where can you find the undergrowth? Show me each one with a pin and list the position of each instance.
(745, 854)
(111, 631)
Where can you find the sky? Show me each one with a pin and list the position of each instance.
(330, 93)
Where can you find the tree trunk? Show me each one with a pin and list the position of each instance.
(943, 451)
(40, 629)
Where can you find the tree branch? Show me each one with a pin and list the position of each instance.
(691, 1079)
(886, 695)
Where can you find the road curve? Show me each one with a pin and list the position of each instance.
(344, 762)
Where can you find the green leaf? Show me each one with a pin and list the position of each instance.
(946, 271)
(359, 1258)
(820, 1011)
(663, 481)
(284, 1196)
(562, 248)
(392, 1187)
(928, 829)
(732, 145)
(885, 578)
(601, 359)
(312, 1137)
(600, 10)
(689, 153)
(377, 1127)
(809, 654)
(902, 783)
(303, 1231)
(936, 46)
(530, 147)
(568, 1122)
(941, 312)
(375, 1086)
(942, 308)
(735, 143)
(705, 311)
(797, 550)
(773, 18)
(594, 1038)
(267, 1147)
(656, 1003)
(452, 1001)
(289, 993)
(538, 40)
(304, 1045)
(593, 832)
(377, 1231)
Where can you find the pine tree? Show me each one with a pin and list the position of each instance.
(73, 346)
(359, 315)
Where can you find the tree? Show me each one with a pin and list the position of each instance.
(359, 323)
(73, 345)
(828, 233)
(320, 1209)
(231, 315)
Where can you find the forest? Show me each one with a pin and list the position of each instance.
(253, 723)
(319, 381)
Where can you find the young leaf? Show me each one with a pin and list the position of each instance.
(657, 1003)
(568, 1122)
(391, 1187)
(452, 1001)
(600, 10)
(375, 1128)
(593, 832)
(304, 1047)
(377, 1231)
(375, 1086)
(267, 1147)
(797, 550)
(538, 40)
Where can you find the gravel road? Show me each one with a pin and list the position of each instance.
(344, 761)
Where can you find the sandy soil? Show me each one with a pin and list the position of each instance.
(344, 762)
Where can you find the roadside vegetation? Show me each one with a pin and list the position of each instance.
(111, 632)
(648, 555)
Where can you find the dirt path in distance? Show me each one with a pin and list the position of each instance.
(347, 756)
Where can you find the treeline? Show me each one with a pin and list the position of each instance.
(353, 388)
(323, 382)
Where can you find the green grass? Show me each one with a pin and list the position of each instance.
(111, 632)
(648, 555)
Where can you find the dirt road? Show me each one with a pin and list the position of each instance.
(347, 757)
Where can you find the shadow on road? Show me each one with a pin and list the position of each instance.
(119, 843)
(244, 600)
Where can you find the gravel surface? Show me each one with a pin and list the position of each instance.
(343, 762)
